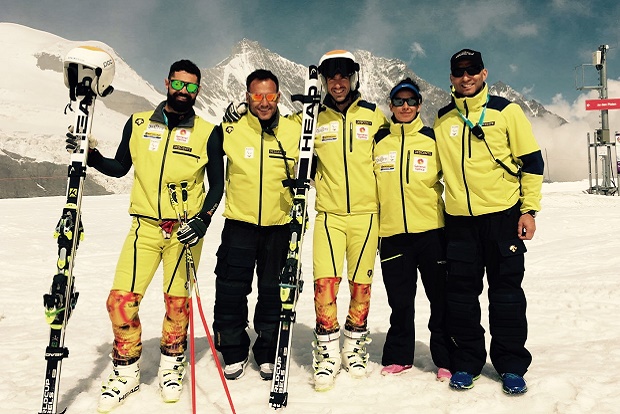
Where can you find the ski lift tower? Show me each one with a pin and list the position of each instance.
(601, 147)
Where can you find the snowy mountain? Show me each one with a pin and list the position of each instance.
(532, 108)
(33, 123)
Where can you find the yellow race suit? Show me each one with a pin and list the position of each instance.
(160, 155)
(346, 205)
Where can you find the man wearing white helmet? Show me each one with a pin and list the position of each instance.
(346, 224)
(170, 149)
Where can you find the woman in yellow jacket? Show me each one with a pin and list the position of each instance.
(411, 224)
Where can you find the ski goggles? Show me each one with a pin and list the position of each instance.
(178, 85)
(258, 97)
(343, 66)
(471, 71)
(401, 101)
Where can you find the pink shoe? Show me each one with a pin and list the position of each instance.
(443, 374)
(394, 369)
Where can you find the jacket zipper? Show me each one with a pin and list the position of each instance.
(161, 174)
(260, 180)
(468, 135)
(402, 186)
(344, 153)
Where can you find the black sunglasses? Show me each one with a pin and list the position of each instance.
(401, 101)
(471, 71)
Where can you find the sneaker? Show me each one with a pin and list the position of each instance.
(266, 371)
(236, 370)
(394, 369)
(325, 361)
(171, 372)
(513, 384)
(121, 383)
(443, 374)
(462, 380)
(354, 355)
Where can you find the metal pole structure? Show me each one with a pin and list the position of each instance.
(591, 189)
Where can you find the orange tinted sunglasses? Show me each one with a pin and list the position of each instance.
(258, 97)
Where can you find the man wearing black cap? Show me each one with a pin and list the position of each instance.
(493, 170)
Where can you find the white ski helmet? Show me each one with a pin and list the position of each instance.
(342, 62)
(89, 66)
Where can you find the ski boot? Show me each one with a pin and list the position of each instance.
(121, 383)
(171, 372)
(354, 355)
(326, 360)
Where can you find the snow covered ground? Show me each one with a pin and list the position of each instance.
(572, 284)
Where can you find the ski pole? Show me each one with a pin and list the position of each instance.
(193, 285)
(210, 338)
(192, 343)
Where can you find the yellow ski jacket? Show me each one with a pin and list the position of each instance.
(408, 175)
(260, 161)
(493, 172)
(344, 179)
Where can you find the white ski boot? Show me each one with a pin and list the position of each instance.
(121, 383)
(354, 355)
(326, 360)
(171, 372)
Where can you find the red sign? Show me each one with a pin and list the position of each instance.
(602, 104)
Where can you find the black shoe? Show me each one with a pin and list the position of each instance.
(266, 371)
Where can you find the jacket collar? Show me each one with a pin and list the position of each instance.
(474, 103)
(329, 102)
(411, 127)
(257, 125)
(158, 116)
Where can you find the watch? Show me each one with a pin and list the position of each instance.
(531, 213)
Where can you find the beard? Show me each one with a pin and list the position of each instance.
(180, 106)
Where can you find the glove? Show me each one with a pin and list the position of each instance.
(234, 114)
(191, 232)
(72, 142)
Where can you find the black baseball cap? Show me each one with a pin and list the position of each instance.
(473, 56)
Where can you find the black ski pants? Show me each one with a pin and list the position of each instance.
(245, 246)
(475, 244)
(401, 257)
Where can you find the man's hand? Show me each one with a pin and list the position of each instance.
(191, 232)
(526, 227)
(72, 142)
(234, 112)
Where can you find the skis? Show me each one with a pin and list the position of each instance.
(62, 297)
(291, 282)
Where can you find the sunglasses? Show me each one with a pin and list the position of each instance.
(258, 97)
(401, 101)
(471, 71)
(178, 85)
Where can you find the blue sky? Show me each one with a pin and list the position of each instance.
(532, 45)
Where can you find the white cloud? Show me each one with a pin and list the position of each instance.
(417, 50)
(527, 90)
(573, 6)
(501, 16)
(565, 147)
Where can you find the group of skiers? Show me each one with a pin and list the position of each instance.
(379, 186)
